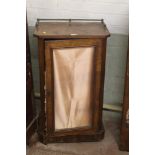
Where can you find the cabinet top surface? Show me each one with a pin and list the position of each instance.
(71, 30)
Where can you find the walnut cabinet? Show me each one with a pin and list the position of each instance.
(72, 66)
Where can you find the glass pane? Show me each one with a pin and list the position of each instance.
(73, 79)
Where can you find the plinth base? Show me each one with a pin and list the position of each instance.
(89, 137)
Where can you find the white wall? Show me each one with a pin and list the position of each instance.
(114, 12)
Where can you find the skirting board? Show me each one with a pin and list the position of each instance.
(112, 107)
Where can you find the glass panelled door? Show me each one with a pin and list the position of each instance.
(72, 76)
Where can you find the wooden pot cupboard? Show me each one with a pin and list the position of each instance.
(72, 66)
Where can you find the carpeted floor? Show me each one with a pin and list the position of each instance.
(108, 146)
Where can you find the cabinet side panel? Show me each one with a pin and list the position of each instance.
(42, 117)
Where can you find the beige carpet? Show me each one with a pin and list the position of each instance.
(108, 146)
